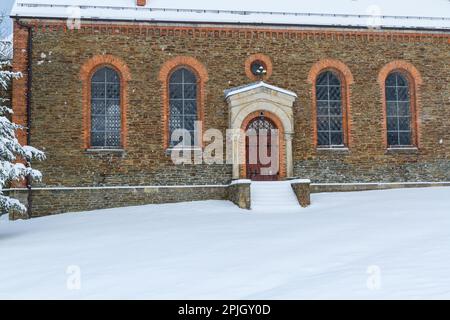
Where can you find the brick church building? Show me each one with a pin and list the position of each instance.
(359, 94)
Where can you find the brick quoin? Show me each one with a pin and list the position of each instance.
(86, 72)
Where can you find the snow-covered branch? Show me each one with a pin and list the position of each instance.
(15, 159)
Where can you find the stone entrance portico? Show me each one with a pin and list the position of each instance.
(247, 102)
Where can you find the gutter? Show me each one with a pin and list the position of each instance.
(29, 95)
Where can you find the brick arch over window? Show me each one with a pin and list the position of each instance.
(87, 71)
(166, 71)
(414, 81)
(346, 79)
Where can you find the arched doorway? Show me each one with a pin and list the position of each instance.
(262, 149)
(245, 104)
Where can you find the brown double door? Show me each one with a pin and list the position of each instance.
(262, 134)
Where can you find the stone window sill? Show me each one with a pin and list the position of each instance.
(100, 151)
(402, 150)
(169, 150)
(333, 150)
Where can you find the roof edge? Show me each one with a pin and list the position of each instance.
(125, 13)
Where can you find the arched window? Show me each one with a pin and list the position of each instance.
(182, 104)
(398, 110)
(330, 124)
(105, 109)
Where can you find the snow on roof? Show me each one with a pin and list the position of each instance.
(430, 14)
(255, 85)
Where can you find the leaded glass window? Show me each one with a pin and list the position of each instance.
(398, 111)
(105, 109)
(261, 123)
(182, 104)
(330, 131)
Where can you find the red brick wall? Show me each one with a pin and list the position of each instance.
(19, 86)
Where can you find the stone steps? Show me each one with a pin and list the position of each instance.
(271, 196)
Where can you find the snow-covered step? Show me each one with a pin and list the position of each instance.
(273, 196)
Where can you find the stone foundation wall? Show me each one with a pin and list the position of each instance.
(239, 193)
(351, 187)
(302, 190)
(49, 201)
(54, 201)
(339, 168)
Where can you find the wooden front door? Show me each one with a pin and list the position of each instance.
(260, 131)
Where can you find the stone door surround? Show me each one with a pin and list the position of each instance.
(247, 102)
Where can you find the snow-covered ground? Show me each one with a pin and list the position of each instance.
(376, 244)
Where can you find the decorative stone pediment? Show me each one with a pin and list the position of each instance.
(260, 96)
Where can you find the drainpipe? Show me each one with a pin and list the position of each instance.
(29, 82)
